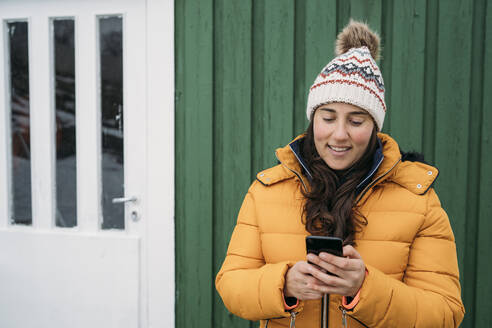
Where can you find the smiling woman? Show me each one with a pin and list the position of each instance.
(344, 178)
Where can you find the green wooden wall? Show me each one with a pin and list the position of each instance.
(243, 69)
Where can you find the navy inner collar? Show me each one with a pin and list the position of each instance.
(295, 146)
(377, 159)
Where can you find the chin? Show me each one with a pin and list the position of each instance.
(341, 168)
(337, 166)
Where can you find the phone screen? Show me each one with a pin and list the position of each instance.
(318, 244)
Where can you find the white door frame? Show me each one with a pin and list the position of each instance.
(157, 289)
(160, 170)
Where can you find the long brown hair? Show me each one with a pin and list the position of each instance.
(329, 206)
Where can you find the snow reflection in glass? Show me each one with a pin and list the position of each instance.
(66, 170)
(111, 102)
(20, 179)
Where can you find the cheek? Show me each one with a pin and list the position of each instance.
(319, 135)
(361, 138)
(317, 132)
(320, 130)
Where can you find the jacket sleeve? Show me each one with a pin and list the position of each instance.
(429, 295)
(250, 288)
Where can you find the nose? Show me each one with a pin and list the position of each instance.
(340, 132)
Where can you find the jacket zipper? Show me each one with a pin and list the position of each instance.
(293, 171)
(375, 181)
(292, 318)
(344, 318)
(293, 315)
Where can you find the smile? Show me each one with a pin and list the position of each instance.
(339, 149)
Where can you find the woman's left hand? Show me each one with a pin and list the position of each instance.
(350, 272)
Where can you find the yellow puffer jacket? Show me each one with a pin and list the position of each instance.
(408, 248)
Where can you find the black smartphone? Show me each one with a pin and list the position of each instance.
(318, 244)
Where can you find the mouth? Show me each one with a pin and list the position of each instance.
(339, 149)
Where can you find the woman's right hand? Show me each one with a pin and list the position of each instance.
(299, 282)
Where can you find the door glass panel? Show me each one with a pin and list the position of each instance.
(111, 83)
(20, 179)
(66, 169)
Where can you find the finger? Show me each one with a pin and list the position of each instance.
(310, 288)
(334, 290)
(314, 295)
(303, 267)
(316, 262)
(327, 268)
(333, 285)
(318, 267)
(311, 257)
(307, 281)
(313, 282)
(351, 252)
(326, 280)
(328, 284)
(331, 289)
(344, 264)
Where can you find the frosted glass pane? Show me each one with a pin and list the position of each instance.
(66, 169)
(111, 64)
(20, 205)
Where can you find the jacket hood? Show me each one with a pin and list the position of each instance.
(415, 176)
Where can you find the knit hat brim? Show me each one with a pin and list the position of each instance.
(352, 92)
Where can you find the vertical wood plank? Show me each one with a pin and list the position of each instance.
(273, 105)
(407, 73)
(194, 106)
(232, 130)
(473, 177)
(343, 14)
(315, 33)
(452, 114)
(368, 11)
(483, 301)
(258, 88)
(300, 83)
(430, 78)
(387, 59)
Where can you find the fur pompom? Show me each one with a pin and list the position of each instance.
(355, 35)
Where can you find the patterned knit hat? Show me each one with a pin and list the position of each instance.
(353, 76)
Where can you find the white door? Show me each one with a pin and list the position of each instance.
(86, 163)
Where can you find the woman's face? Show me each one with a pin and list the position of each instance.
(341, 134)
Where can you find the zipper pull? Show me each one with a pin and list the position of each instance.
(344, 318)
(293, 319)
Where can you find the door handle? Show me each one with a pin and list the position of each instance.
(132, 199)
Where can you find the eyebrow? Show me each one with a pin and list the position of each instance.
(357, 112)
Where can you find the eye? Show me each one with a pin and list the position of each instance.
(356, 123)
(328, 119)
